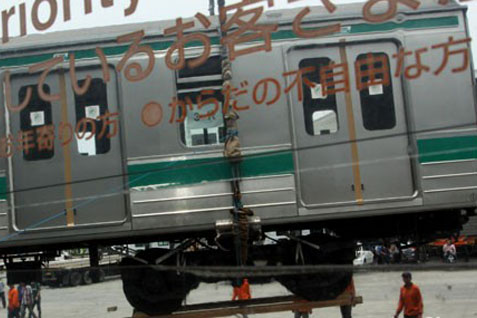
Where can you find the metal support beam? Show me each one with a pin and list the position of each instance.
(256, 306)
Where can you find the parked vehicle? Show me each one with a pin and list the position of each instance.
(409, 255)
(363, 257)
(76, 271)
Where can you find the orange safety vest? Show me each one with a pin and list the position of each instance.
(242, 292)
(13, 301)
(410, 299)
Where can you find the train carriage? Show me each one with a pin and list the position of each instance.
(383, 160)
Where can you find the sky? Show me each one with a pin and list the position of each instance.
(150, 10)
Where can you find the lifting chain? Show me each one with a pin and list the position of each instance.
(233, 153)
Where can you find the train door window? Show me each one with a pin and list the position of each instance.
(205, 125)
(321, 114)
(90, 106)
(36, 124)
(377, 101)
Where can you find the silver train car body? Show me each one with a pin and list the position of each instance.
(418, 156)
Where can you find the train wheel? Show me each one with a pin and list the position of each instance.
(150, 291)
(75, 278)
(323, 285)
(315, 287)
(87, 279)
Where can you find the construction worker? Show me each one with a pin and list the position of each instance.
(242, 292)
(410, 298)
(13, 302)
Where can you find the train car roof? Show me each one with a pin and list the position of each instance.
(107, 35)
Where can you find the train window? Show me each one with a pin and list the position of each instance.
(36, 122)
(321, 114)
(209, 68)
(204, 126)
(377, 101)
(93, 104)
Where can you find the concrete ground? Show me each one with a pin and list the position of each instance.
(447, 294)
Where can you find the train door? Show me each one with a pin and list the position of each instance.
(37, 172)
(352, 145)
(95, 151)
(321, 132)
(60, 180)
(381, 128)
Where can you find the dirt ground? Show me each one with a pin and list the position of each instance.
(447, 294)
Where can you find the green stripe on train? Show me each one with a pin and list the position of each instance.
(446, 149)
(166, 174)
(408, 25)
(280, 35)
(3, 188)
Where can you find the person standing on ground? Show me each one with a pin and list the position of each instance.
(346, 310)
(13, 302)
(36, 288)
(27, 301)
(20, 297)
(410, 299)
(242, 292)
(395, 254)
(449, 250)
(2, 293)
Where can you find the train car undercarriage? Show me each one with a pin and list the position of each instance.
(312, 259)
(156, 281)
(314, 264)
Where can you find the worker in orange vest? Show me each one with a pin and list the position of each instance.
(13, 302)
(242, 292)
(410, 299)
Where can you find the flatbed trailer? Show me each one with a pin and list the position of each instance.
(74, 272)
(255, 306)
